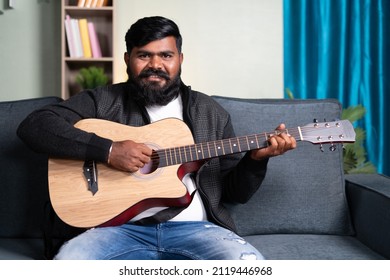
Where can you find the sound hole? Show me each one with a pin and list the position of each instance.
(152, 165)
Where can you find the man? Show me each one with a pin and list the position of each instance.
(154, 91)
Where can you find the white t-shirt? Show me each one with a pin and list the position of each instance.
(195, 211)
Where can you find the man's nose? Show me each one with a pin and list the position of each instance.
(155, 62)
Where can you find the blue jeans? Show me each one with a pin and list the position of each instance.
(170, 240)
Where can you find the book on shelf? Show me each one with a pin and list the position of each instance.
(69, 37)
(82, 39)
(92, 3)
(95, 46)
(102, 3)
(73, 37)
(80, 3)
(84, 34)
(88, 4)
(77, 38)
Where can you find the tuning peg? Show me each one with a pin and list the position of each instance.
(321, 148)
(315, 121)
(332, 147)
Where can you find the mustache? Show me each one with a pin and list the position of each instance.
(153, 72)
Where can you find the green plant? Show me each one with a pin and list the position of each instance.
(91, 77)
(354, 154)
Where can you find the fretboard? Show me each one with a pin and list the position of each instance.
(206, 150)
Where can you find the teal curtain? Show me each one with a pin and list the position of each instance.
(341, 49)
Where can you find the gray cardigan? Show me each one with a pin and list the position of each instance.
(227, 179)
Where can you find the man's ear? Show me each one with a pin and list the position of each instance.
(181, 58)
(126, 58)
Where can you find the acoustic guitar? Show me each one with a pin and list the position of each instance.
(89, 194)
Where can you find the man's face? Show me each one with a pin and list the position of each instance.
(156, 64)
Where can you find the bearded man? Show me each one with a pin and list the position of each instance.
(203, 229)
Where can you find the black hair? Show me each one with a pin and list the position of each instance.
(149, 29)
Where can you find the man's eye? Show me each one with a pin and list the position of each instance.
(144, 55)
(166, 56)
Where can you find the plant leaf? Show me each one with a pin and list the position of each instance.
(91, 77)
(353, 113)
(289, 93)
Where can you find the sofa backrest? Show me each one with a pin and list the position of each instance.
(303, 191)
(23, 173)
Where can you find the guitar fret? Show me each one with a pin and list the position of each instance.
(223, 148)
(199, 151)
(192, 157)
(218, 149)
(252, 142)
(215, 147)
(241, 144)
(231, 147)
(159, 158)
(203, 150)
(194, 154)
(185, 153)
(171, 156)
(177, 155)
(208, 149)
(166, 157)
(247, 142)
(174, 158)
(181, 160)
(257, 140)
(234, 146)
(180, 154)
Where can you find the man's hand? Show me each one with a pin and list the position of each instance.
(278, 145)
(129, 155)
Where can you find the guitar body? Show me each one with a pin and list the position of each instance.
(120, 195)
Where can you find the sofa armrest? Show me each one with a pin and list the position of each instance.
(369, 202)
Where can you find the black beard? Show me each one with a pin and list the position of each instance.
(150, 93)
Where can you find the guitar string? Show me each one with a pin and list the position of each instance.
(183, 151)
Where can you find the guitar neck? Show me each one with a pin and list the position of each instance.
(206, 150)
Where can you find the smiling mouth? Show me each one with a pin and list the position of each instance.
(154, 75)
(155, 79)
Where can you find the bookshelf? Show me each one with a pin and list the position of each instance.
(102, 19)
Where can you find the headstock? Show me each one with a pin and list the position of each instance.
(340, 131)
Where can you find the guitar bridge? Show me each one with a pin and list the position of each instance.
(90, 174)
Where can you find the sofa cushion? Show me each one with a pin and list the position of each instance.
(22, 249)
(23, 173)
(311, 247)
(303, 192)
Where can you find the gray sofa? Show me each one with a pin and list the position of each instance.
(306, 208)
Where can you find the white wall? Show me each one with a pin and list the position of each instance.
(231, 48)
(30, 49)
